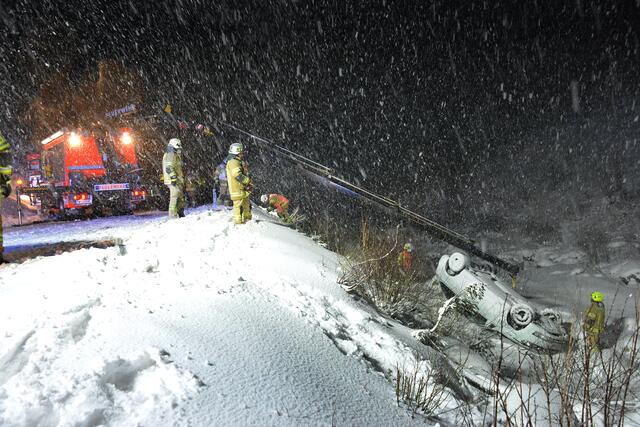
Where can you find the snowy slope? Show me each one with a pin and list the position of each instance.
(195, 321)
(199, 322)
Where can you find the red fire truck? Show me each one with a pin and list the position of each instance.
(86, 172)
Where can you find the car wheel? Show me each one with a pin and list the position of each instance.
(62, 212)
(520, 316)
(456, 263)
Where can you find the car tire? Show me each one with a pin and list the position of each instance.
(520, 316)
(62, 212)
(456, 263)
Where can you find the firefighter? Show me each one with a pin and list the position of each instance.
(405, 258)
(276, 202)
(173, 177)
(5, 180)
(239, 183)
(593, 321)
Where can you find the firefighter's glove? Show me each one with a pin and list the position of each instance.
(248, 186)
(5, 190)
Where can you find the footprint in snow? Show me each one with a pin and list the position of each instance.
(15, 359)
(122, 373)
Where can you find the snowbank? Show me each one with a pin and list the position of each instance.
(194, 321)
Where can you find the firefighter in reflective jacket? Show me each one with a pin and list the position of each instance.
(5, 180)
(276, 202)
(593, 321)
(405, 258)
(239, 184)
(173, 177)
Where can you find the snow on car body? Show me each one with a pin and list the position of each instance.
(501, 308)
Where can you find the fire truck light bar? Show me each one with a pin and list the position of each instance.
(111, 187)
(52, 137)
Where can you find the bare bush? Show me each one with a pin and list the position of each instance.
(541, 229)
(371, 271)
(579, 387)
(593, 240)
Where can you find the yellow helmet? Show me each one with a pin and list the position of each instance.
(597, 296)
(408, 247)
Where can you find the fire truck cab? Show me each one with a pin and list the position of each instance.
(86, 172)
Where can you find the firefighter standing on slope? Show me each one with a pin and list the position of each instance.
(405, 258)
(593, 321)
(276, 202)
(173, 177)
(5, 180)
(239, 184)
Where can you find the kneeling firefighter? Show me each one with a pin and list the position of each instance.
(276, 202)
(239, 183)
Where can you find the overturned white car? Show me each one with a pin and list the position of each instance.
(499, 307)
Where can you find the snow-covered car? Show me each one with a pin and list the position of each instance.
(500, 307)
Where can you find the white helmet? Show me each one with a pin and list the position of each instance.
(264, 198)
(175, 143)
(236, 148)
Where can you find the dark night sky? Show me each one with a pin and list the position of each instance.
(409, 95)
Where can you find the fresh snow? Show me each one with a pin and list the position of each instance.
(196, 321)
(192, 322)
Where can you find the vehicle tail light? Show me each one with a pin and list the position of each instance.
(81, 196)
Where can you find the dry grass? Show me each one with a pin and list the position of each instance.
(420, 392)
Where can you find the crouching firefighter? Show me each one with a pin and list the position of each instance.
(174, 177)
(5, 180)
(594, 321)
(277, 202)
(239, 184)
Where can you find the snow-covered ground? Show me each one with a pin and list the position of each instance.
(193, 322)
(18, 238)
(199, 322)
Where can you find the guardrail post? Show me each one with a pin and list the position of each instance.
(19, 205)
